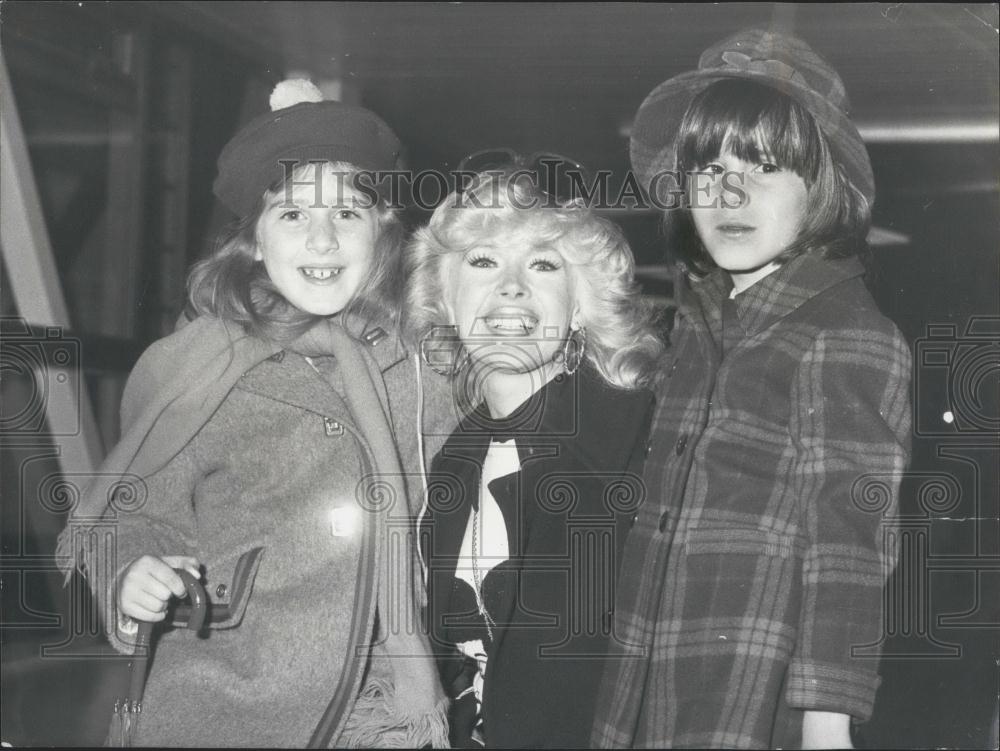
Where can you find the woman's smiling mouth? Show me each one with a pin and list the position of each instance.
(510, 323)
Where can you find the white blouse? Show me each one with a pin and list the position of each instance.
(485, 544)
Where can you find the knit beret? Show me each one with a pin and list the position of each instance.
(305, 131)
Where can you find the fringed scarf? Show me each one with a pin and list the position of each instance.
(175, 388)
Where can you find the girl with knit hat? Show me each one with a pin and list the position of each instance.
(258, 453)
(749, 608)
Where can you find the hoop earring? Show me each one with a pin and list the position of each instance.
(573, 356)
(463, 359)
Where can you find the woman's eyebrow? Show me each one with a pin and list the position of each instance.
(546, 248)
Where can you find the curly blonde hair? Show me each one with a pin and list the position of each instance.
(621, 343)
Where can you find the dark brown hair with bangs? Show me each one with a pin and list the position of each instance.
(759, 123)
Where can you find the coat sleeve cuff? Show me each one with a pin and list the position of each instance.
(120, 630)
(831, 688)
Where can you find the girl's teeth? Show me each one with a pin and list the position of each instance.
(320, 274)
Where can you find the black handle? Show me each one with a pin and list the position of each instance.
(196, 619)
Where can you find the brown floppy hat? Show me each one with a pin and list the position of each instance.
(777, 60)
(312, 129)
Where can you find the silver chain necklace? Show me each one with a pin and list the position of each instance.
(477, 578)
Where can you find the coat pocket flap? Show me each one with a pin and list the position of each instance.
(229, 615)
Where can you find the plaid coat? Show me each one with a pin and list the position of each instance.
(755, 565)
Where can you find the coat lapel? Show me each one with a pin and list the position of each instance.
(452, 491)
(571, 440)
(789, 288)
(386, 349)
(287, 377)
(700, 302)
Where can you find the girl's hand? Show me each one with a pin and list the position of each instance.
(145, 587)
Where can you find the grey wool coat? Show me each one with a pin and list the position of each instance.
(265, 495)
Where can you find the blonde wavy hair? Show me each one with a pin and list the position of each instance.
(621, 343)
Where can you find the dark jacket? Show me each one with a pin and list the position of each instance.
(752, 580)
(567, 513)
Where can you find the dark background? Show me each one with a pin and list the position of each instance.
(125, 107)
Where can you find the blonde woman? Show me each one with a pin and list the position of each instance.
(531, 497)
